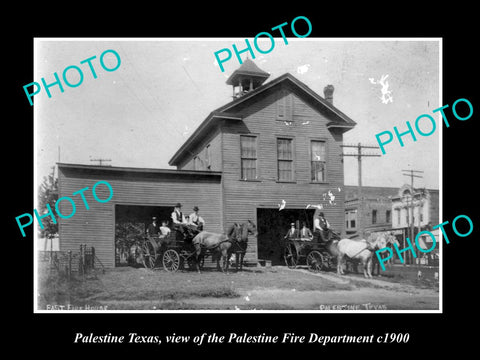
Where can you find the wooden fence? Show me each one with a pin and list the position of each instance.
(72, 263)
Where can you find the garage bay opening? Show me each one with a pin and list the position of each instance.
(131, 222)
(273, 225)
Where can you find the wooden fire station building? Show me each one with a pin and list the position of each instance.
(275, 141)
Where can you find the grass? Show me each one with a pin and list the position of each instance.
(141, 285)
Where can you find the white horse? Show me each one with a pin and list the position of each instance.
(391, 240)
(359, 250)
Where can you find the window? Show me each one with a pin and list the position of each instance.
(318, 160)
(248, 154)
(285, 159)
(374, 216)
(351, 219)
(284, 105)
(397, 211)
(388, 216)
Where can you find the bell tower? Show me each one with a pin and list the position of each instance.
(246, 78)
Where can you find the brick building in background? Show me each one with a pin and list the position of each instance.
(390, 209)
(375, 212)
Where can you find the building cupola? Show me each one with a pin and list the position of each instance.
(246, 78)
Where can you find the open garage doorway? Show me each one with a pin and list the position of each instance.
(273, 225)
(131, 222)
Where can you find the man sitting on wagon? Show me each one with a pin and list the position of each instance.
(153, 229)
(196, 220)
(292, 233)
(305, 233)
(321, 228)
(164, 229)
(180, 223)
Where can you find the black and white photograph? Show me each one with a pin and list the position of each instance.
(204, 174)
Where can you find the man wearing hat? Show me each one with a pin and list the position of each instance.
(177, 215)
(153, 228)
(305, 232)
(292, 232)
(321, 228)
(196, 220)
(179, 222)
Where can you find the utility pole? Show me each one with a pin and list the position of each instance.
(359, 156)
(100, 161)
(412, 220)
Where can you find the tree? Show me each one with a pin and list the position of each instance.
(48, 194)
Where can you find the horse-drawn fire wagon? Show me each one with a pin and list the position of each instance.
(177, 251)
(174, 251)
(311, 252)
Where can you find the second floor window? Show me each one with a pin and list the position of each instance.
(248, 155)
(285, 159)
(318, 160)
(374, 216)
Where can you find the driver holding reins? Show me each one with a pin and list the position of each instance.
(180, 223)
(321, 228)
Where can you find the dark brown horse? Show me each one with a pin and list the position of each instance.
(223, 245)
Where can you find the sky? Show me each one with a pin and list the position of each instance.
(141, 113)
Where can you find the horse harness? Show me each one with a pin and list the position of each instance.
(369, 248)
(234, 242)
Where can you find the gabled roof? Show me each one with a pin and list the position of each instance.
(228, 111)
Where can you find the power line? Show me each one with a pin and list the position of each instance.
(411, 219)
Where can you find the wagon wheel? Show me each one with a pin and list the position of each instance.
(149, 253)
(171, 260)
(315, 261)
(291, 257)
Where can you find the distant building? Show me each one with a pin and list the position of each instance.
(417, 209)
(371, 213)
(390, 209)
(425, 207)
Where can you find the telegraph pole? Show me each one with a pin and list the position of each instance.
(359, 156)
(412, 221)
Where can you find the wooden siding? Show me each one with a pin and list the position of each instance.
(96, 226)
(242, 198)
(214, 140)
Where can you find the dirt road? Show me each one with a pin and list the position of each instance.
(276, 288)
